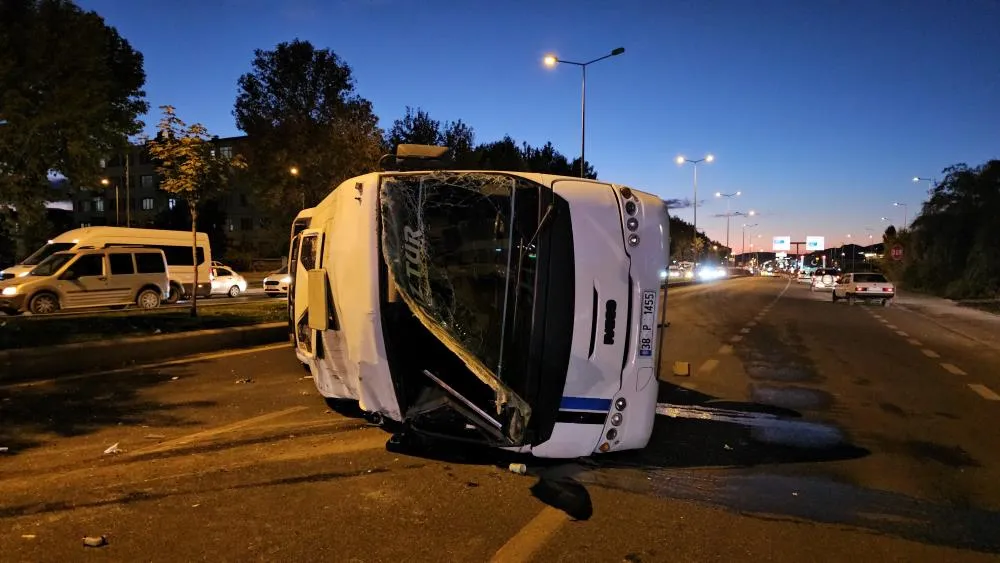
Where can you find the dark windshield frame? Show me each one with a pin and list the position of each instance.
(536, 341)
(52, 264)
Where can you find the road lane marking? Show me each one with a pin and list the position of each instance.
(212, 432)
(930, 353)
(914, 341)
(139, 367)
(901, 333)
(984, 392)
(529, 539)
(955, 370)
(891, 327)
(709, 366)
(744, 331)
(752, 323)
(725, 350)
(736, 338)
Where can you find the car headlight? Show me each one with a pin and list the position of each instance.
(10, 290)
(286, 279)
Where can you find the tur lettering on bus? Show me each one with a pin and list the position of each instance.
(412, 246)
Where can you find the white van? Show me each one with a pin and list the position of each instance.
(176, 246)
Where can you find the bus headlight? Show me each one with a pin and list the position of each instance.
(632, 223)
(620, 403)
(612, 434)
(616, 419)
(10, 290)
(633, 240)
(630, 207)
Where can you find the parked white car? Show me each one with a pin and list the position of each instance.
(867, 286)
(227, 281)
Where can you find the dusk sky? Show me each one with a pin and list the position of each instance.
(820, 112)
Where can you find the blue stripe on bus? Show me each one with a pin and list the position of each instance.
(585, 404)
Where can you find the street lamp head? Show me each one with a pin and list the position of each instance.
(550, 60)
(105, 181)
(739, 193)
(709, 158)
(294, 171)
(752, 213)
(884, 218)
(718, 194)
(896, 203)
(617, 51)
(916, 179)
(680, 159)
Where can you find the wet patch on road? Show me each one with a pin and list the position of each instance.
(790, 397)
(952, 456)
(818, 499)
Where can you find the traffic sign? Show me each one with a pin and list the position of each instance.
(814, 243)
(781, 243)
(897, 252)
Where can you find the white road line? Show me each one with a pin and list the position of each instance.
(901, 333)
(725, 350)
(955, 370)
(709, 366)
(984, 392)
(914, 341)
(212, 432)
(140, 367)
(744, 331)
(891, 327)
(930, 353)
(736, 338)
(752, 323)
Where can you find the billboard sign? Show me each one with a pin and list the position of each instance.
(814, 243)
(781, 243)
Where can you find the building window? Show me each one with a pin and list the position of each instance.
(146, 180)
(243, 200)
(99, 205)
(226, 152)
(85, 206)
(147, 204)
(171, 203)
(246, 224)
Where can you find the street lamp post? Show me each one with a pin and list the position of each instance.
(551, 61)
(680, 161)
(729, 198)
(743, 247)
(905, 217)
(294, 171)
(931, 182)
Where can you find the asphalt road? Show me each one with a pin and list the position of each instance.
(806, 431)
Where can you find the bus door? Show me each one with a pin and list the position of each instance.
(310, 257)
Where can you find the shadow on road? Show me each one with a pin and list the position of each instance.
(76, 406)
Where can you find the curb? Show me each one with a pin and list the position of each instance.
(49, 361)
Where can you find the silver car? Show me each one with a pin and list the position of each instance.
(227, 282)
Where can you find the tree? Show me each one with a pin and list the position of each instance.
(299, 108)
(191, 168)
(415, 128)
(70, 94)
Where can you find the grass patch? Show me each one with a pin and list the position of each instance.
(27, 332)
(988, 306)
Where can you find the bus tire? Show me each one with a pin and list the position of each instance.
(175, 294)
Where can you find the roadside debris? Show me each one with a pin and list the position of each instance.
(155, 436)
(682, 369)
(245, 380)
(95, 541)
(28, 536)
(174, 378)
(114, 449)
(518, 468)
(4, 449)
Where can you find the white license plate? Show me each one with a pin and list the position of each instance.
(647, 322)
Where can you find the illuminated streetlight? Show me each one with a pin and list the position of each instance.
(551, 61)
(680, 160)
(294, 171)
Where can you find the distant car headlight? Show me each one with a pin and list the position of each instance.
(689, 274)
(286, 279)
(663, 274)
(11, 290)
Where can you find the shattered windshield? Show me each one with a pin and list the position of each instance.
(460, 248)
